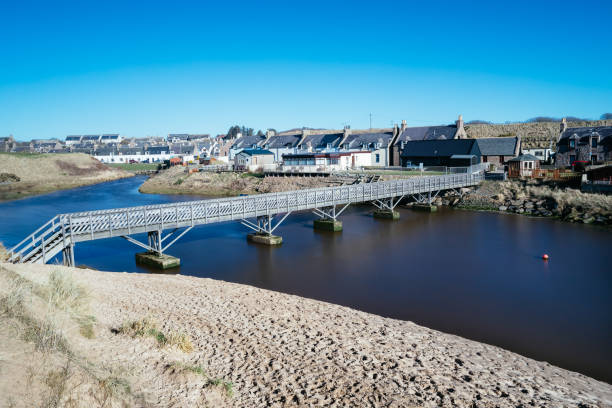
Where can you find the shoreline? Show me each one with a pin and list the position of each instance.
(271, 348)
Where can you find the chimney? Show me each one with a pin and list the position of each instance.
(347, 133)
(563, 126)
(404, 125)
(460, 133)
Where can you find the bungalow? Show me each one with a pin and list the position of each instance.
(412, 134)
(544, 154)
(590, 144)
(523, 166)
(450, 153)
(498, 150)
(252, 159)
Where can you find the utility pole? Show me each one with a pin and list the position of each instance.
(370, 121)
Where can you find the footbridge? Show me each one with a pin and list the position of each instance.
(263, 213)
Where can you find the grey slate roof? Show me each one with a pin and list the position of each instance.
(281, 141)
(498, 146)
(73, 138)
(321, 141)
(441, 148)
(427, 133)
(158, 149)
(369, 140)
(580, 132)
(246, 142)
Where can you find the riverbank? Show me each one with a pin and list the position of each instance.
(176, 181)
(164, 340)
(536, 199)
(24, 175)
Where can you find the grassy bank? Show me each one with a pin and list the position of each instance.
(176, 181)
(23, 175)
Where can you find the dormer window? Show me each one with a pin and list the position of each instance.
(572, 143)
(329, 145)
(594, 142)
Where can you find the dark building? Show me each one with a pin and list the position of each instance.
(499, 150)
(451, 153)
(589, 144)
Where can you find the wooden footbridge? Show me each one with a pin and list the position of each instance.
(257, 212)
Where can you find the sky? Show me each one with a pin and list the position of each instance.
(159, 67)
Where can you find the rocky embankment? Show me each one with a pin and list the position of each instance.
(164, 340)
(23, 175)
(536, 199)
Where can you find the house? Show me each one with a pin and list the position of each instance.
(319, 142)
(111, 138)
(90, 139)
(523, 166)
(252, 159)
(544, 154)
(73, 140)
(311, 162)
(498, 150)
(441, 152)
(178, 137)
(281, 145)
(377, 143)
(590, 144)
(412, 134)
(246, 142)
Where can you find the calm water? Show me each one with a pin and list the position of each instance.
(478, 275)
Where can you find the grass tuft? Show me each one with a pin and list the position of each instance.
(147, 326)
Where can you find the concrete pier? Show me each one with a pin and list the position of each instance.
(156, 261)
(424, 207)
(265, 239)
(387, 214)
(327, 225)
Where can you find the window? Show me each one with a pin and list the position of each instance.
(572, 158)
(539, 153)
(377, 158)
(329, 145)
(594, 142)
(593, 158)
(572, 143)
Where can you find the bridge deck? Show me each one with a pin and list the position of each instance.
(66, 229)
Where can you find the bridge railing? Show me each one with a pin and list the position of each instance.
(124, 221)
(36, 239)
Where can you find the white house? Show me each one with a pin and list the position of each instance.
(73, 140)
(111, 138)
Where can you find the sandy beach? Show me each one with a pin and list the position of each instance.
(274, 349)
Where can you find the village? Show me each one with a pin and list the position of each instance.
(579, 154)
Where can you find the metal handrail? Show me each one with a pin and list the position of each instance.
(32, 239)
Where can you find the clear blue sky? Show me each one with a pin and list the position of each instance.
(154, 67)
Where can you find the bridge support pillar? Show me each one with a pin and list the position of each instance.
(386, 208)
(263, 230)
(158, 261)
(327, 224)
(68, 255)
(328, 218)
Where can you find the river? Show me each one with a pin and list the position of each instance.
(475, 274)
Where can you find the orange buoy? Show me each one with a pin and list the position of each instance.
(545, 257)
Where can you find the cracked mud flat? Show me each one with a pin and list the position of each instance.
(283, 350)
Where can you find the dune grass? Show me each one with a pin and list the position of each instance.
(148, 327)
